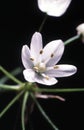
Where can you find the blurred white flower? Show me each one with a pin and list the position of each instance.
(40, 63)
(53, 7)
(80, 30)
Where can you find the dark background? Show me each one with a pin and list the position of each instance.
(18, 21)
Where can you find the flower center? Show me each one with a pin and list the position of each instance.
(40, 67)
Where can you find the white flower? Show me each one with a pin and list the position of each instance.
(40, 63)
(53, 7)
(80, 30)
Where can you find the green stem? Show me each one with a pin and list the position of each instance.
(11, 103)
(72, 39)
(43, 22)
(23, 109)
(14, 72)
(43, 113)
(61, 90)
(4, 87)
(9, 75)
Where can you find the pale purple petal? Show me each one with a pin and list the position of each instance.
(36, 46)
(46, 96)
(54, 7)
(29, 75)
(52, 52)
(25, 55)
(61, 71)
(42, 80)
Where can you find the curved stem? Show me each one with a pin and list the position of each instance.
(11, 103)
(43, 113)
(23, 109)
(72, 39)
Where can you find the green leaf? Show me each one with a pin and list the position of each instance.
(14, 72)
(58, 90)
(23, 109)
(10, 76)
(11, 103)
(43, 113)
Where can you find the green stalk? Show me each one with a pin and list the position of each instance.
(9, 75)
(61, 90)
(4, 87)
(43, 22)
(43, 113)
(23, 109)
(11, 103)
(71, 39)
(14, 72)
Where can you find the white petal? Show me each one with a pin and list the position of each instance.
(80, 29)
(55, 48)
(54, 7)
(43, 80)
(25, 55)
(29, 75)
(36, 46)
(61, 71)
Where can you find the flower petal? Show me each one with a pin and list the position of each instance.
(61, 71)
(54, 7)
(25, 55)
(80, 29)
(36, 46)
(29, 75)
(42, 80)
(52, 52)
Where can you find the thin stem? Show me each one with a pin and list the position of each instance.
(9, 75)
(4, 87)
(72, 39)
(14, 72)
(43, 22)
(23, 109)
(64, 90)
(11, 103)
(43, 113)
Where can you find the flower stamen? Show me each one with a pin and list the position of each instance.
(41, 51)
(32, 59)
(45, 76)
(40, 67)
(36, 68)
(56, 67)
(52, 55)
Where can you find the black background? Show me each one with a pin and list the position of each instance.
(18, 21)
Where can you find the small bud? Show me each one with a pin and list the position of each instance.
(80, 31)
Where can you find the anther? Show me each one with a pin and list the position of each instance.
(41, 51)
(56, 67)
(52, 55)
(45, 76)
(31, 59)
(36, 68)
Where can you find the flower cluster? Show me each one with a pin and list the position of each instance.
(41, 64)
